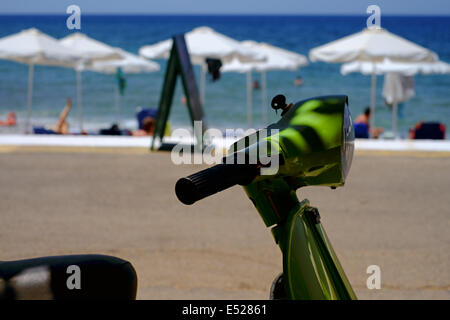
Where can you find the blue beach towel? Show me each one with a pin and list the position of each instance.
(43, 130)
(361, 130)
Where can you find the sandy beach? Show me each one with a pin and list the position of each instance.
(393, 212)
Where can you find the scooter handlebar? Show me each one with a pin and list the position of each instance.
(212, 180)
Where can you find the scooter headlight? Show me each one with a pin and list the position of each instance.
(348, 143)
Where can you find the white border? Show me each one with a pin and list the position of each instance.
(145, 142)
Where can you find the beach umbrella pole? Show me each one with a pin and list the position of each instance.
(264, 97)
(394, 119)
(372, 98)
(203, 83)
(117, 108)
(249, 99)
(30, 97)
(79, 102)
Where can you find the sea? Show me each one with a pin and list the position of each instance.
(226, 101)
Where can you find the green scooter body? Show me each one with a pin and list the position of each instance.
(313, 138)
(310, 266)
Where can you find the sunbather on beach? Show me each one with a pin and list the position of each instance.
(362, 126)
(148, 127)
(62, 127)
(10, 120)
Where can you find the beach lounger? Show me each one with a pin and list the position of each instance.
(428, 130)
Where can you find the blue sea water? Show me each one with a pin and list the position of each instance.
(225, 104)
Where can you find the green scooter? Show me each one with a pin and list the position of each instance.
(313, 144)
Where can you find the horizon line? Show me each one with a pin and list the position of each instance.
(224, 14)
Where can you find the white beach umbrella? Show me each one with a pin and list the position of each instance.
(372, 45)
(276, 59)
(394, 89)
(88, 50)
(202, 43)
(34, 47)
(131, 63)
(388, 66)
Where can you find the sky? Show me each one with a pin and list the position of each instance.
(351, 7)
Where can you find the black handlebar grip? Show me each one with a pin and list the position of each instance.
(212, 180)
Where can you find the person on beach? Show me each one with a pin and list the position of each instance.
(148, 127)
(10, 120)
(362, 126)
(62, 127)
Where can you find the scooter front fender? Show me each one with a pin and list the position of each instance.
(310, 266)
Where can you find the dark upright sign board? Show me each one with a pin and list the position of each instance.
(179, 64)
